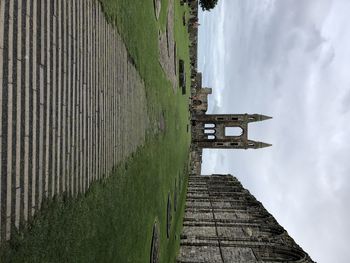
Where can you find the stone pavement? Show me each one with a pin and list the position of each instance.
(167, 47)
(72, 104)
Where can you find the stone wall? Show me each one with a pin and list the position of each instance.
(200, 101)
(223, 222)
(193, 35)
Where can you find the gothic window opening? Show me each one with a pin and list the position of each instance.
(209, 131)
(209, 125)
(233, 131)
(211, 137)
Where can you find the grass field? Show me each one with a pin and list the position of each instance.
(113, 221)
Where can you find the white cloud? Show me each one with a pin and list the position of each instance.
(288, 59)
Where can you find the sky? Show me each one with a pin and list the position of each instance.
(289, 59)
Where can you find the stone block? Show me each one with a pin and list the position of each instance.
(200, 254)
(238, 254)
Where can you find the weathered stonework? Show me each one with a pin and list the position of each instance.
(155, 244)
(223, 222)
(200, 100)
(209, 131)
(196, 160)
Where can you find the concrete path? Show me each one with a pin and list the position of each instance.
(72, 105)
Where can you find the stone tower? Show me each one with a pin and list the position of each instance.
(213, 131)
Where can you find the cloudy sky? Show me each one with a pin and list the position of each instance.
(289, 59)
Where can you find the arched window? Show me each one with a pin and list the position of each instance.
(233, 131)
(209, 131)
(209, 125)
(278, 253)
(211, 137)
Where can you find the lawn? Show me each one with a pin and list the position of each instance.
(113, 221)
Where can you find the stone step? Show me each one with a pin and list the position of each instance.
(67, 115)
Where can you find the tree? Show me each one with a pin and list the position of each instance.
(206, 5)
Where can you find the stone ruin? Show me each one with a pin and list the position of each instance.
(223, 222)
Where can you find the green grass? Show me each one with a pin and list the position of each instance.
(135, 21)
(113, 221)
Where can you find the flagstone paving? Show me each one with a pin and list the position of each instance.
(167, 47)
(72, 104)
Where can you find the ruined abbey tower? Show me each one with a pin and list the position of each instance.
(212, 131)
(223, 222)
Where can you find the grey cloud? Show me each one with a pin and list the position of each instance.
(346, 103)
(279, 61)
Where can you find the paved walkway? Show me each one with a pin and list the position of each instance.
(72, 105)
(167, 47)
